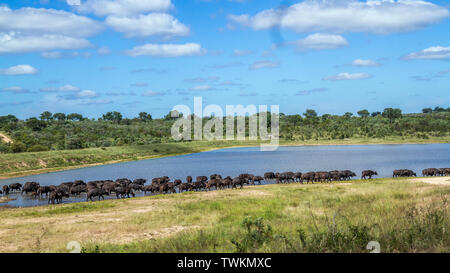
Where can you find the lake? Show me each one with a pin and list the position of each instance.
(234, 161)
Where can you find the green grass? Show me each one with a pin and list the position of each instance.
(402, 215)
(21, 164)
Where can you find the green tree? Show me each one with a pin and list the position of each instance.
(60, 116)
(348, 115)
(74, 117)
(392, 114)
(310, 113)
(143, 116)
(363, 113)
(113, 116)
(35, 124)
(427, 110)
(374, 114)
(46, 116)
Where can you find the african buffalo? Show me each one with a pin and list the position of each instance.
(15, 186)
(368, 173)
(30, 187)
(6, 189)
(96, 192)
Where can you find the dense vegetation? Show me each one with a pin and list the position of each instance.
(67, 132)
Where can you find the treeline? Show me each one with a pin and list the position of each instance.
(61, 131)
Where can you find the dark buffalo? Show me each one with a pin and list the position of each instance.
(189, 179)
(201, 179)
(269, 176)
(77, 190)
(237, 182)
(140, 181)
(298, 176)
(368, 173)
(122, 191)
(30, 187)
(5, 189)
(308, 177)
(15, 187)
(403, 173)
(213, 183)
(44, 190)
(257, 179)
(150, 188)
(94, 193)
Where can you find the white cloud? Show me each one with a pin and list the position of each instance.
(58, 54)
(160, 24)
(123, 7)
(15, 89)
(386, 16)
(166, 50)
(152, 94)
(431, 53)
(264, 64)
(22, 69)
(16, 43)
(240, 53)
(201, 88)
(103, 51)
(30, 29)
(64, 88)
(32, 21)
(322, 41)
(86, 94)
(348, 76)
(360, 62)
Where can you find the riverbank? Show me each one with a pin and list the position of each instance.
(403, 215)
(25, 164)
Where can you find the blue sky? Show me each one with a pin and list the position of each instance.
(150, 55)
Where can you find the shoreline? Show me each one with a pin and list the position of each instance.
(26, 173)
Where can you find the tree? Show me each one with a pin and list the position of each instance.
(75, 116)
(363, 113)
(113, 116)
(60, 116)
(438, 109)
(374, 114)
(35, 124)
(348, 115)
(143, 116)
(427, 110)
(46, 116)
(392, 114)
(310, 113)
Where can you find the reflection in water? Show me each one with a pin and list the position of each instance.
(382, 158)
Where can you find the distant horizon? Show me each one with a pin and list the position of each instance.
(355, 114)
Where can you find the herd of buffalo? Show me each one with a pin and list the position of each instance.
(125, 188)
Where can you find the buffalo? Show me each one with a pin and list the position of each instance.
(15, 187)
(94, 193)
(30, 187)
(5, 189)
(368, 173)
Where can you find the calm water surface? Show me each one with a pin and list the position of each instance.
(382, 158)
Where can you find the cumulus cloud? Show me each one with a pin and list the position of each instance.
(166, 50)
(64, 88)
(202, 79)
(311, 91)
(159, 24)
(80, 95)
(202, 88)
(123, 7)
(30, 29)
(17, 43)
(240, 53)
(23, 69)
(264, 64)
(32, 21)
(319, 41)
(348, 76)
(360, 62)
(374, 16)
(431, 53)
(152, 94)
(15, 89)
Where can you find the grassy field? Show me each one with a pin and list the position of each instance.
(22, 164)
(403, 215)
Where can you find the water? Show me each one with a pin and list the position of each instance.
(234, 161)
